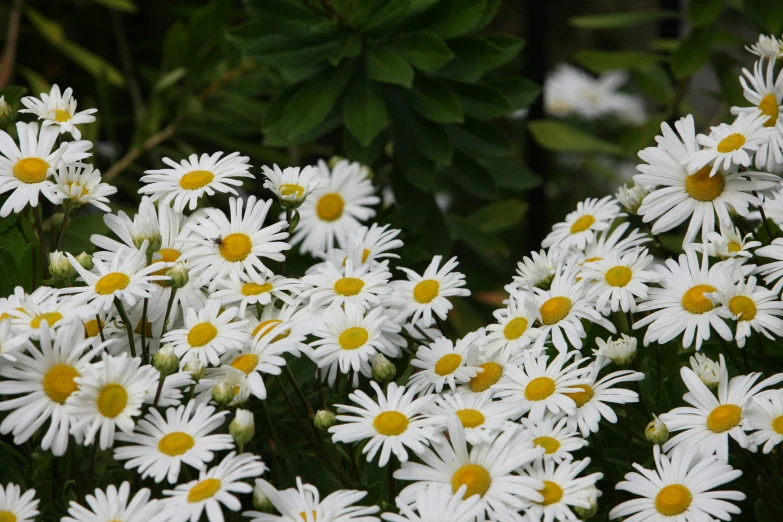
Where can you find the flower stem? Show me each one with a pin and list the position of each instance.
(290, 375)
(764, 219)
(66, 215)
(128, 326)
(144, 355)
(100, 327)
(760, 347)
(160, 389)
(422, 332)
(168, 310)
(41, 240)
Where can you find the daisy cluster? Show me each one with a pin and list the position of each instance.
(159, 349)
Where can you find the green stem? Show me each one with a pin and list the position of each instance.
(144, 355)
(100, 327)
(66, 215)
(168, 310)
(41, 240)
(157, 392)
(422, 332)
(290, 375)
(764, 219)
(760, 347)
(128, 327)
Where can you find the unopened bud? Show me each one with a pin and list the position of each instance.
(6, 112)
(59, 266)
(708, 370)
(260, 501)
(196, 368)
(324, 419)
(57, 220)
(222, 393)
(334, 160)
(621, 351)
(631, 197)
(383, 370)
(154, 241)
(243, 427)
(589, 512)
(656, 431)
(178, 274)
(165, 360)
(85, 260)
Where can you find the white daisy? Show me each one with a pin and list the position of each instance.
(481, 418)
(32, 311)
(422, 295)
(753, 307)
(563, 488)
(557, 438)
(59, 110)
(262, 356)
(362, 285)
(616, 282)
(160, 446)
(631, 197)
(538, 270)
(235, 243)
(729, 244)
(11, 341)
(766, 47)
(20, 507)
(392, 423)
(514, 330)
(332, 213)
(114, 504)
(81, 185)
(679, 488)
(765, 415)
(612, 240)
(216, 486)
(374, 243)
(249, 289)
(772, 272)
(444, 363)
(291, 185)
(437, 502)
(493, 368)
(185, 182)
(580, 226)
(147, 224)
(207, 334)
(709, 422)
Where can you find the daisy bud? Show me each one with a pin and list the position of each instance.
(383, 370)
(222, 393)
(708, 370)
(85, 260)
(154, 241)
(631, 198)
(592, 497)
(620, 351)
(178, 274)
(656, 431)
(324, 419)
(165, 360)
(195, 367)
(59, 266)
(260, 501)
(334, 160)
(6, 112)
(57, 220)
(243, 427)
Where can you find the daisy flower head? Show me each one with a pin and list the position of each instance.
(17, 506)
(707, 370)
(621, 351)
(481, 418)
(287, 327)
(631, 197)
(249, 289)
(514, 330)
(11, 340)
(612, 240)
(765, 416)
(537, 270)
(114, 504)
(563, 488)
(235, 243)
(81, 185)
(110, 395)
(292, 185)
(26, 170)
(374, 243)
(349, 337)
(207, 334)
(185, 182)
(333, 212)
(147, 225)
(262, 356)
(753, 307)
(767, 47)
(43, 378)
(216, 486)
(488, 469)
(304, 504)
(681, 487)
(729, 244)
(683, 303)
(536, 388)
(763, 91)
(557, 438)
(437, 502)
(445, 363)
(699, 196)
(33, 310)
(709, 421)
(392, 423)
(493, 367)
(773, 271)
(422, 295)
(59, 110)
(580, 226)
(617, 281)
(362, 285)
(160, 446)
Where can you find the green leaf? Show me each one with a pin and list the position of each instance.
(601, 61)
(693, 53)
(50, 29)
(170, 78)
(119, 5)
(558, 136)
(425, 50)
(391, 14)
(482, 243)
(12, 95)
(499, 216)
(472, 177)
(418, 170)
(364, 112)
(14, 241)
(520, 92)
(482, 101)
(452, 18)
(724, 65)
(481, 139)
(9, 275)
(77, 236)
(386, 65)
(702, 12)
(620, 20)
(766, 13)
(486, 53)
(510, 174)
(350, 46)
(654, 81)
(435, 100)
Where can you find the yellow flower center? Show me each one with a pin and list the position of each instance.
(701, 187)
(618, 276)
(235, 247)
(167, 255)
(92, 327)
(249, 289)
(475, 477)
(734, 247)
(245, 363)
(673, 500)
(204, 490)
(743, 307)
(7, 516)
(470, 418)
(112, 400)
(61, 115)
(353, 338)
(50, 317)
(111, 283)
(348, 286)
(582, 224)
(552, 493)
(175, 443)
(491, 374)
(539, 389)
(390, 423)
(777, 425)
(31, 170)
(425, 291)
(267, 326)
(58, 382)
(694, 301)
(447, 364)
(292, 189)
(515, 328)
(731, 143)
(769, 107)
(201, 334)
(196, 179)
(555, 310)
(550, 444)
(330, 207)
(583, 397)
(724, 417)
